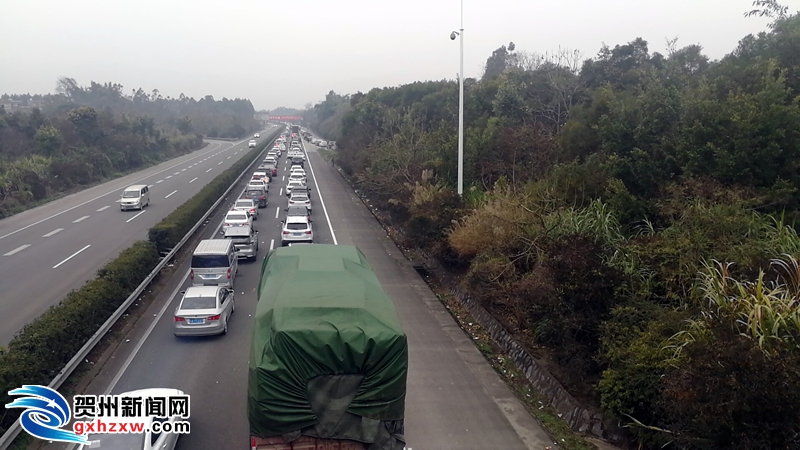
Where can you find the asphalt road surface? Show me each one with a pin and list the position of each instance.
(50, 250)
(455, 399)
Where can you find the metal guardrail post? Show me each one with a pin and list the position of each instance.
(13, 431)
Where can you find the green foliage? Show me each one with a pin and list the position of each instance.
(594, 200)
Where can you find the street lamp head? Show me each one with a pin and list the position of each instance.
(453, 35)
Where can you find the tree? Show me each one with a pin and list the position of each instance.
(185, 124)
(48, 140)
(496, 64)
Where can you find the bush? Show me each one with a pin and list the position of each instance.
(167, 233)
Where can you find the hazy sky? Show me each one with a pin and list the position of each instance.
(290, 52)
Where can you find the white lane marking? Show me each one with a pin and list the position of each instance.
(271, 244)
(169, 176)
(322, 202)
(81, 219)
(137, 215)
(176, 173)
(277, 210)
(71, 256)
(149, 185)
(283, 178)
(228, 157)
(104, 208)
(103, 195)
(159, 181)
(192, 180)
(183, 170)
(17, 250)
(171, 194)
(220, 163)
(209, 170)
(147, 333)
(281, 192)
(57, 230)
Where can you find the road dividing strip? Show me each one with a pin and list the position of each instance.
(271, 244)
(193, 180)
(183, 170)
(159, 181)
(17, 250)
(281, 192)
(80, 219)
(277, 211)
(56, 231)
(171, 194)
(104, 208)
(209, 170)
(137, 215)
(71, 256)
(168, 177)
(220, 163)
(228, 157)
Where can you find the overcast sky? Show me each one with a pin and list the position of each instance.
(288, 53)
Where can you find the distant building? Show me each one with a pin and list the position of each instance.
(11, 105)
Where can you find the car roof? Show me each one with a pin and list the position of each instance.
(244, 200)
(298, 208)
(234, 212)
(299, 193)
(238, 231)
(296, 219)
(201, 291)
(135, 187)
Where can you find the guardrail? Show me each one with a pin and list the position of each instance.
(14, 430)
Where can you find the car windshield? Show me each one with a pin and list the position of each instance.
(244, 204)
(130, 194)
(199, 303)
(299, 198)
(235, 217)
(297, 211)
(121, 441)
(296, 226)
(254, 193)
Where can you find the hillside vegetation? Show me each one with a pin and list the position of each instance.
(629, 217)
(81, 136)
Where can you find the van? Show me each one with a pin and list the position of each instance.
(134, 197)
(245, 239)
(214, 263)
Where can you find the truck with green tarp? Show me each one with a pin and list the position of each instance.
(328, 357)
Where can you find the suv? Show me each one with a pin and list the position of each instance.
(296, 229)
(247, 205)
(252, 143)
(258, 195)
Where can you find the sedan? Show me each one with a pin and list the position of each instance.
(291, 185)
(300, 199)
(297, 211)
(203, 311)
(247, 205)
(236, 219)
(146, 440)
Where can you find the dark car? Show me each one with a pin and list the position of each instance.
(259, 196)
(298, 161)
(299, 210)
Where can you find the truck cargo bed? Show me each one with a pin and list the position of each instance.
(303, 443)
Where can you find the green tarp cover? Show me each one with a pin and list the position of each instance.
(328, 357)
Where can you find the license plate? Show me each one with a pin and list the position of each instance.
(297, 234)
(195, 321)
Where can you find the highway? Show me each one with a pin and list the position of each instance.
(455, 399)
(52, 249)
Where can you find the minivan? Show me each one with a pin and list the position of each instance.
(135, 197)
(214, 263)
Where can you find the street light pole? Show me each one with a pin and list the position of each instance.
(460, 34)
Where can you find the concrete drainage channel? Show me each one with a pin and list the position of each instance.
(8, 438)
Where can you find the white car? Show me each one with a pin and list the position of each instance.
(256, 135)
(291, 184)
(298, 169)
(296, 229)
(297, 176)
(146, 440)
(247, 205)
(261, 176)
(300, 199)
(258, 184)
(236, 219)
(252, 143)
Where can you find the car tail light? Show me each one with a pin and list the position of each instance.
(252, 210)
(285, 232)
(226, 225)
(229, 274)
(214, 317)
(191, 274)
(179, 319)
(253, 445)
(263, 197)
(308, 232)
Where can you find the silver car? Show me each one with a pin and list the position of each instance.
(245, 240)
(146, 440)
(296, 229)
(300, 199)
(203, 311)
(291, 185)
(236, 219)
